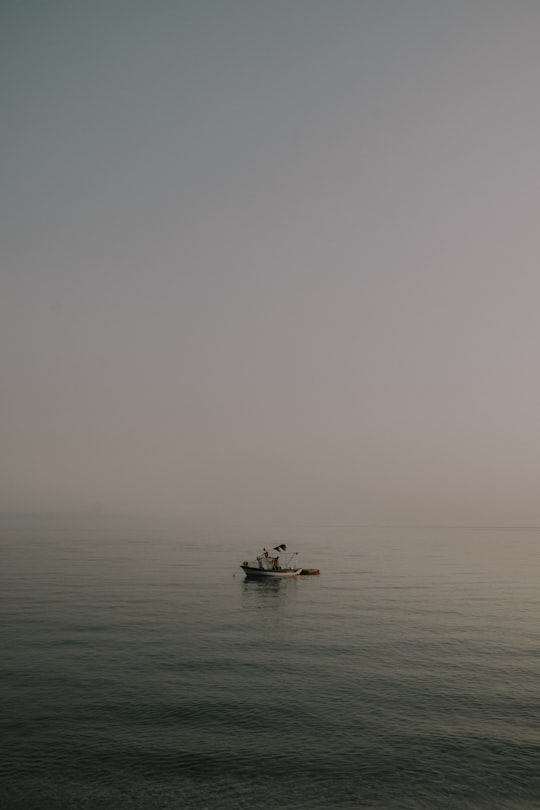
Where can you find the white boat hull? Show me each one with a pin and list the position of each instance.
(253, 571)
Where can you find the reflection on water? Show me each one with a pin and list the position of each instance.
(268, 592)
(265, 582)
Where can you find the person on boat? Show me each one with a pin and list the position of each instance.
(266, 553)
(275, 563)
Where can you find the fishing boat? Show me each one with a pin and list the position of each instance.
(268, 564)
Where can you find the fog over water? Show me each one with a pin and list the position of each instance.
(271, 260)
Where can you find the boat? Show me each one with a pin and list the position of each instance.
(267, 564)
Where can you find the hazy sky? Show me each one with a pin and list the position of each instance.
(272, 260)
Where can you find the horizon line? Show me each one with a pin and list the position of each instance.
(332, 524)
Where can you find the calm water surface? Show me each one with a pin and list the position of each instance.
(137, 672)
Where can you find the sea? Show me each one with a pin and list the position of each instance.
(140, 669)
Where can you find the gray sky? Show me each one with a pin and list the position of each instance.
(271, 260)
